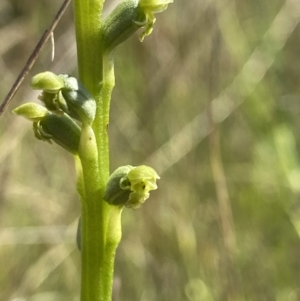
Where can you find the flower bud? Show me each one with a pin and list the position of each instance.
(130, 186)
(61, 129)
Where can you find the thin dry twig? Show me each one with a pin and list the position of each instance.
(47, 34)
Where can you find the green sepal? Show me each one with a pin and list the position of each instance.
(31, 111)
(61, 129)
(47, 81)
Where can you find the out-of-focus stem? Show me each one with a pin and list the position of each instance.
(218, 174)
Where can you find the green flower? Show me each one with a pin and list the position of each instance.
(64, 93)
(130, 186)
(128, 17)
(121, 24)
(47, 126)
(149, 8)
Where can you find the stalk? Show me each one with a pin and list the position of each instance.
(67, 101)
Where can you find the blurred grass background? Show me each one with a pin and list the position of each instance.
(211, 101)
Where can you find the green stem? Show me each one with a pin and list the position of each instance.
(101, 230)
(88, 25)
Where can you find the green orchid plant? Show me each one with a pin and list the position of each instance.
(75, 114)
